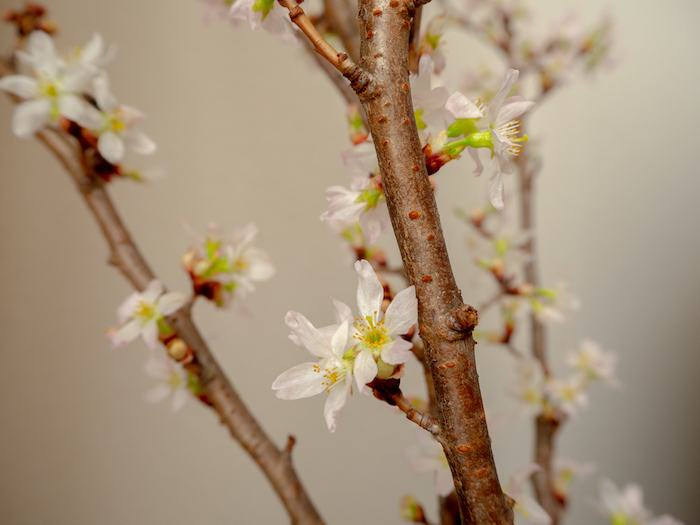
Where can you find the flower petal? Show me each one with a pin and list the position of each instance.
(30, 116)
(149, 332)
(397, 352)
(508, 82)
(512, 108)
(171, 302)
(342, 311)
(111, 147)
(370, 292)
(157, 393)
(20, 85)
(402, 313)
(138, 142)
(309, 337)
(361, 158)
(335, 403)
(460, 106)
(339, 340)
(125, 333)
(494, 183)
(365, 369)
(76, 109)
(300, 381)
(474, 153)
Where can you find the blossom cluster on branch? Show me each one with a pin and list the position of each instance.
(69, 95)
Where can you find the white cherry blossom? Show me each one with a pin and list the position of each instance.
(626, 506)
(378, 335)
(172, 380)
(142, 312)
(227, 266)
(364, 201)
(594, 363)
(114, 125)
(497, 131)
(266, 15)
(52, 91)
(331, 372)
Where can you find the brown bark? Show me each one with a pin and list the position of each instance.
(445, 322)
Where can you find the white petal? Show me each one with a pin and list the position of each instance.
(78, 78)
(105, 100)
(243, 10)
(138, 142)
(533, 511)
(508, 83)
(30, 116)
(431, 101)
(512, 108)
(158, 393)
(76, 109)
(371, 223)
(361, 158)
(20, 85)
(149, 332)
(460, 106)
(494, 184)
(474, 153)
(126, 333)
(336, 402)
(444, 485)
(91, 51)
(397, 352)
(370, 292)
(260, 267)
(342, 311)
(42, 54)
(111, 147)
(402, 313)
(308, 335)
(300, 381)
(339, 340)
(365, 369)
(153, 290)
(179, 399)
(278, 24)
(171, 302)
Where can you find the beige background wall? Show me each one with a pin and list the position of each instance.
(249, 131)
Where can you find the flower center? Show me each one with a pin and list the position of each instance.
(371, 196)
(144, 310)
(331, 375)
(175, 381)
(371, 335)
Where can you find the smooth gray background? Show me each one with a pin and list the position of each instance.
(250, 132)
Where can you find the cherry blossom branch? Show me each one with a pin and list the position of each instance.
(446, 323)
(342, 17)
(388, 390)
(218, 391)
(545, 426)
(360, 81)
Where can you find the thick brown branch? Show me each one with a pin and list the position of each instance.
(443, 318)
